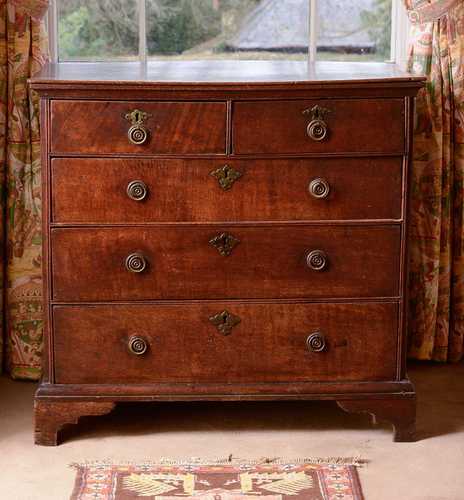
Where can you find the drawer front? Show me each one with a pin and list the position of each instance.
(351, 126)
(131, 190)
(103, 127)
(262, 343)
(185, 262)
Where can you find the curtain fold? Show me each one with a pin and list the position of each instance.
(436, 316)
(23, 51)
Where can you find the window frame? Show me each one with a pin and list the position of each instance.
(399, 35)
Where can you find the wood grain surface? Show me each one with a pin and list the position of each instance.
(94, 190)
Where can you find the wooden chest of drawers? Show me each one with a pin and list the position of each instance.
(224, 231)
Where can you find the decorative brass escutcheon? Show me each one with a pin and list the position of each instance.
(224, 243)
(225, 322)
(316, 342)
(226, 176)
(137, 134)
(317, 129)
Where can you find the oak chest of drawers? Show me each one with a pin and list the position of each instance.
(224, 231)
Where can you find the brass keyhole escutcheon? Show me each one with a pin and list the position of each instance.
(226, 176)
(225, 322)
(224, 243)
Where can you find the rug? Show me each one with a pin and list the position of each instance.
(297, 480)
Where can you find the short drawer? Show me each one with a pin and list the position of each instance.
(337, 126)
(120, 127)
(225, 342)
(201, 262)
(131, 190)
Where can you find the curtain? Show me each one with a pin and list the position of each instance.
(23, 49)
(436, 316)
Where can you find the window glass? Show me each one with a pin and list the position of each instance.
(97, 29)
(357, 30)
(354, 30)
(228, 29)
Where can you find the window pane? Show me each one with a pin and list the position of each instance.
(228, 29)
(354, 30)
(97, 29)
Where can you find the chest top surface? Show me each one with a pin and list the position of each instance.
(223, 74)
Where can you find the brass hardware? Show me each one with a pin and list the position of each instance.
(224, 243)
(137, 190)
(226, 176)
(319, 188)
(317, 128)
(316, 342)
(225, 322)
(138, 345)
(137, 133)
(136, 263)
(316, 260)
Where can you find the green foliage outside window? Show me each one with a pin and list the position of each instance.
(378, 21)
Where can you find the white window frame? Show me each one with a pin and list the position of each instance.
(399, 36)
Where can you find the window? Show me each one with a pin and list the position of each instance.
(348, 30)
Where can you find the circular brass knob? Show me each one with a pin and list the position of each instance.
(138, 135)
(316, 342)
(316, 260)
(138, 346)
(317, 130)
(136, 263)
(137, 190)
(319, 188)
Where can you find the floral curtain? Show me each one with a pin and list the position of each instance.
(23, 49)
(436, 318)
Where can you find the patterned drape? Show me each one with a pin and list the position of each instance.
(23, 49)
(436, 318)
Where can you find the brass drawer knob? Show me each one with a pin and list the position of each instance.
(137, 133)
(317, 260)
(137, 190)
(136, 263)
(319, 188)
(316, 342)
(138, 345)
(317, 129)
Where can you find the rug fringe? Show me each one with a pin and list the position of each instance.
(230, 460)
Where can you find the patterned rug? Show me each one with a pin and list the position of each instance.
(298, 480)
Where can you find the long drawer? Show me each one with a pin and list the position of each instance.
(225, 342)
(135, 190)
(120, 127)
(339, 126)
(201, 262)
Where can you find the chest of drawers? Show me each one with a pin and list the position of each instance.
(224, 231)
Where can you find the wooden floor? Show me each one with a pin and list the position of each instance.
(431, 469)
